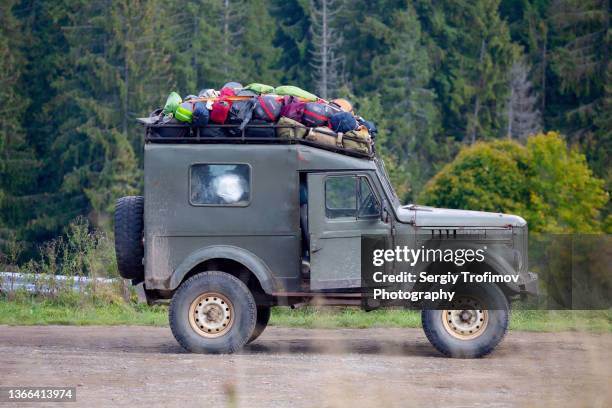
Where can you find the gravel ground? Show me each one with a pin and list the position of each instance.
(145, 367)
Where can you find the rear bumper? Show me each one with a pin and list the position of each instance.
(529, 285)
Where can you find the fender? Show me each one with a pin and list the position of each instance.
(247, 258)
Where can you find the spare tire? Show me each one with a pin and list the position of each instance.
(129, 230)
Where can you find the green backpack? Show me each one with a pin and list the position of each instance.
(172, 103)
(295, 91)
(184, 112)
(260, 88)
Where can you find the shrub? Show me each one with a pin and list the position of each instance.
(547, 183)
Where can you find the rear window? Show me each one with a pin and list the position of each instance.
(220, 184)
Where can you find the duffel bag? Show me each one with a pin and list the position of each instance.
(260, 88)
(184, 112)
(212, 131)
(292, 108)
(169, 128)
(267, 108)
(240, 115)
(220, 111)
(261, 132)
(343, 122)
(201, 115)
(316, 114)
(325, 136)
(295, 91)
(358, 140)
(173, 101)
(290, 129)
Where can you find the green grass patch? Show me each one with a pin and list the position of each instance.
(76, 310)
(67, 310)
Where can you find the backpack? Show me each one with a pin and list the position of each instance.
(316, 114)
(227, 91)
(343, 104)
(292, 108)
(267, 108)
(220, 111)
(240, 114)
(295, 91)
(343, 122)
(287, 128)
(260, 88)
(201, 115)
(173, 101)
(184, 112)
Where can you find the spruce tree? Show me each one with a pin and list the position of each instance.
(522, 115)
(18, 165)
(473, 46)
(404, 72)
(326, 41)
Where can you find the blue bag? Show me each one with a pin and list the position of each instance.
(343, 122)
(201, 115)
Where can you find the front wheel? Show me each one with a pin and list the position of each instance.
(472, 327)
(263, 317)
(212, 312)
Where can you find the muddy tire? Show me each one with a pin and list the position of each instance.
(470, 329)
(263, 317)
(212, 312)
(129, 229)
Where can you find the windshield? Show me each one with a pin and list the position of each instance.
(380, 165)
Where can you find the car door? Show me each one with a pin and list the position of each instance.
(342, 207)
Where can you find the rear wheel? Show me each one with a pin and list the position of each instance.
(474, 324)
(212, 312)
(263, 317)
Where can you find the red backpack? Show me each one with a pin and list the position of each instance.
(220, 111)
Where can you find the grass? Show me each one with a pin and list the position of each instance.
(74, 310)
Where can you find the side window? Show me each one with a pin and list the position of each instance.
(350, 197)
(220, 184)
(368, 203)
(341, 197)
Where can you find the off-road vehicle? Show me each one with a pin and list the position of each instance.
(229, 228)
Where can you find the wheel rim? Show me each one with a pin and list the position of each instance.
(467, 320)
(211, 315)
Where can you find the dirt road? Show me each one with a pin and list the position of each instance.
(144, 366)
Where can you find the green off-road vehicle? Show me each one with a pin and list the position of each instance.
(229, 228)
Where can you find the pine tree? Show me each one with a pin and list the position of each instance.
(473, 45)
(18, 165)
(327, 62)
(292, 23)
(404, 73)
(259, 55)
(522, 115)
(580, 61)
(117, 72)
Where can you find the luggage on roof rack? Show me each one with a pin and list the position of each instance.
(259, 113)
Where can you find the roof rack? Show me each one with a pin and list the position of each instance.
(193, 136)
